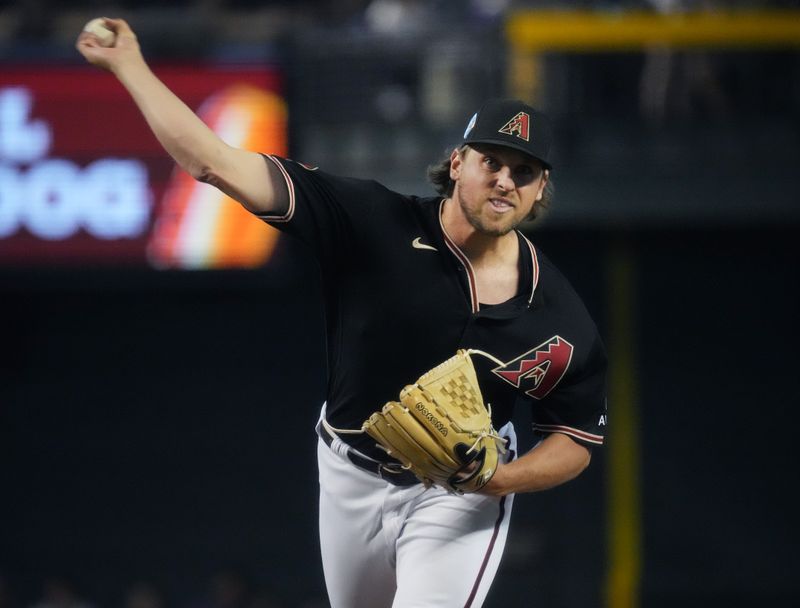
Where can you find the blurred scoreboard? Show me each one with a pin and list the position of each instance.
(83, 182)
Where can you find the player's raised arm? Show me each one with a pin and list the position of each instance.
(241, 174)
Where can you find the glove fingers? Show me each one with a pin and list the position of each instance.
(421, 412)
(401, 446)
(401, 422)
(381, 433)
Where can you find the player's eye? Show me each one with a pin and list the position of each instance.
(528, 171)
(491, 163)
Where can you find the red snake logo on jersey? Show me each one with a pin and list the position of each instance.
(538, 371)
(518, 126)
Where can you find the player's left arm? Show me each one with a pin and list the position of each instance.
(572, 419)
(555, 460)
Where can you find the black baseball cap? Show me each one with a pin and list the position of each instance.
(514, 124)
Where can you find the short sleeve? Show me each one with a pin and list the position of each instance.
(578, 406)
(324, 211)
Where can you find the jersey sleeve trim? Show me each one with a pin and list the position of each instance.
(285, 217)
(571, 431)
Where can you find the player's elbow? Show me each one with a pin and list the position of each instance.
(571, 471)
(204, 175)
(208, 164)
(585, 461)
(581, 458)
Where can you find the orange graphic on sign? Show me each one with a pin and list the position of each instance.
(200, 227)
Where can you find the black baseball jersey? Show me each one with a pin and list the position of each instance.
(401, 297)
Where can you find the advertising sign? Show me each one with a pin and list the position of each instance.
(84, 182)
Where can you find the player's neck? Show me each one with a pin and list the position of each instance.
(479, 247)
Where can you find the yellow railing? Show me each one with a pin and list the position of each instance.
(533, 33)
(607, 31)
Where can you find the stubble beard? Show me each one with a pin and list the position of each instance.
(477, 222)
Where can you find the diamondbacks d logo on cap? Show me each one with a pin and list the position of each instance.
(519, 126)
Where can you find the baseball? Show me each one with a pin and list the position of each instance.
(98, 28)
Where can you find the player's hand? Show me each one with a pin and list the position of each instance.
(125, 50)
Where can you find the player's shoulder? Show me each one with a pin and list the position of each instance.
(311, 172)
(557, 291)
(563, 303)
(371, 190)
(427, 205)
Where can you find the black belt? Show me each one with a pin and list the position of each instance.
(393, 472)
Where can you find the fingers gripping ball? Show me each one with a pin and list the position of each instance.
(98, 27)
(440, 429)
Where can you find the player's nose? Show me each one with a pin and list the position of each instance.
(504, 179)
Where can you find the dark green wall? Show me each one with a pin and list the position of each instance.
(161, 426)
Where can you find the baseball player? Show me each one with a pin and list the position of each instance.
(407, 281)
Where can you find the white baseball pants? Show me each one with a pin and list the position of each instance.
(402, 547)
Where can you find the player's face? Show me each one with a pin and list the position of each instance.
(496, 187)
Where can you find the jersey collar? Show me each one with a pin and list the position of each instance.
(470, 272)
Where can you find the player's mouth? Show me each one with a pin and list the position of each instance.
(501, 205)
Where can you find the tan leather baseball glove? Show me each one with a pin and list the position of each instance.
(440, 429)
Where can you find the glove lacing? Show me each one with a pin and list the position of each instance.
(491, 433)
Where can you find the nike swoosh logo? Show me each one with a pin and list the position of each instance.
(417, 244)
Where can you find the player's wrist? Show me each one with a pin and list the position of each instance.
(129, 70)
(498, 484)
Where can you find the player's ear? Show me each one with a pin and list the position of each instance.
(456, 161)
(545, 177)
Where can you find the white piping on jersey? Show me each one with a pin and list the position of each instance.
(289, 186)
(535, 260)
(473, 284)
(568, 430)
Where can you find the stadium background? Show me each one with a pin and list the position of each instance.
(156, 425)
